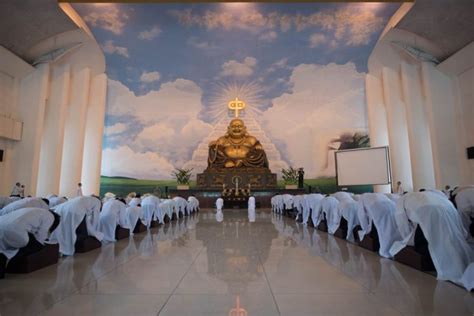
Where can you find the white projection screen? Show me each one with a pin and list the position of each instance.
(363, 166)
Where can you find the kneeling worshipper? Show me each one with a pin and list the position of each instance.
(464, 200)
(298, 203)
(219, 206)
(379, 210)
(193, 204)
(15, 228)
(287, 202)
(313, 208)
(23, 203)
(251, 211)
(150, 206)
(5, 200)
(73, 213)
(442, 228)
(330, 207)
(113, 214)
(134, 214)
(55, 201)
(348, 208)
(180, 205)
(135, 201)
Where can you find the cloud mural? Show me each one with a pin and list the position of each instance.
(171, 68)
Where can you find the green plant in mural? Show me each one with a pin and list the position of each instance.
(182, 175)
(350, 141)
(290, 175)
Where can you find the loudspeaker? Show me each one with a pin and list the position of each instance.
(470, 152)
(1, 155)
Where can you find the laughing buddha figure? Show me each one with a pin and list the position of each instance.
(236, 149)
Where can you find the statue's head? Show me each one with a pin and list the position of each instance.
(236, 128)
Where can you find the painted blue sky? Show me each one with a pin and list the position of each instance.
(165, 49)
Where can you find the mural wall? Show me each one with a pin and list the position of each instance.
(173, 68)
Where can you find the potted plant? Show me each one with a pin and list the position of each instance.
(182, 176)
(290, 176)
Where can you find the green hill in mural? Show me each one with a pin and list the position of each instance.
(121, 186)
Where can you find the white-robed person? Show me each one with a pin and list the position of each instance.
(251, 209)
(72, 213)
(377, 209)
(15, 227)
(150, 206)
(464, 200)
(113, 214)
(219, 206)
(181, 205)
(330, 207)
(193, 204)
(56, 200)
(348, 208)
(134, 214)
(135, 201)
(24, 203)
(443, 229)
(5, 200)
(313, 208)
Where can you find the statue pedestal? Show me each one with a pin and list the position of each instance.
(257, 178)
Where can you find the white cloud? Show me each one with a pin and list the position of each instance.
(350, 25)
(108, 17)
(239, 69)
(148, 77)
(317, 39)
(149, 34)
(115, 129)
(325, 101)
(123, 161)
(205, 45)
(268, 36)
(110, 48)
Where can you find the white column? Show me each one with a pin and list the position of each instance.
(53, 131)
(418, 132)
(397, 129)
(447, 154)
(33, 93)
(93, 136)
(378, 130)
(71, 165)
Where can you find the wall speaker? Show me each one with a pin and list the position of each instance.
(1, 155)
(470, 152)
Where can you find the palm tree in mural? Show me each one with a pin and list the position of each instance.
(350, 141)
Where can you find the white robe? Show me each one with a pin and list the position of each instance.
(465, 204)
(349, 209)
(150, 208)
(329, 206)
(219, 204)
(442, 228)
(113, 214)
(251, 211)
(5, 200)
(135, 201)
(55, 201)
(134, 214)
(24, 203)
(72, 214)
(193, 204)
(298, 203)
(15, 226)
(180, 204)
(377, 209)
(287, 201)
(314, 205)
(166, 208)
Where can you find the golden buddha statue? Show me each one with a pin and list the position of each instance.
(236, 149)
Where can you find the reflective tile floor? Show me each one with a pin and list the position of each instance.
(196, 266)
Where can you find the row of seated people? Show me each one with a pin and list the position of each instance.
(423, 229)
(34, 226)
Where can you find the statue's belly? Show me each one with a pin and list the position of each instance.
(236, 152)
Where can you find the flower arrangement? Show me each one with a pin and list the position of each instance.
(290, 175)
(182, 175)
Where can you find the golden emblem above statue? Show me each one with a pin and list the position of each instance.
(236, 149)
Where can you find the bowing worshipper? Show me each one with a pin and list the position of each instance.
(23, 203)
(379, 210)
(16, 228)
(16, 189)
(193, 204)
(348, 208)
(150, 206)
(73, 213)
(443, 229)
(219, 206)
(166, 208)
(55, 201)
(330, 207)
(5, 200)
(180, 205)
(113, 214)
(134, 214)
(298, 203)
(135, 201)
(79, 189)
(315, 208)
(463, 198)
(129, 197)
(251, 209)
(392, 196)
(287, 202)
